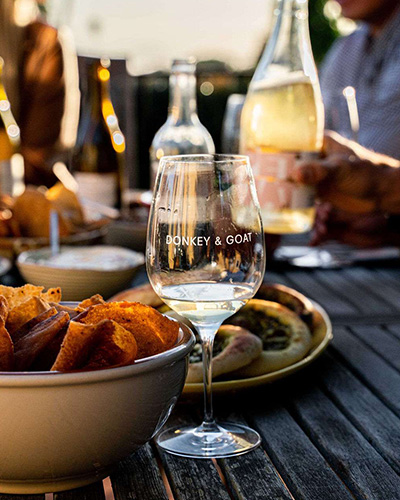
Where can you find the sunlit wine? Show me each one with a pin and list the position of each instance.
(280, 125)
(282, 122)
(205, 259)
(288, 220)
(282, 116)
(206, 302)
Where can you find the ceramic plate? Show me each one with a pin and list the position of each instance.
(321, 335)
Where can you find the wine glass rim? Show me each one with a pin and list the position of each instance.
(205, 158)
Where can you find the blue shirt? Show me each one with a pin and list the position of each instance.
(372, 66)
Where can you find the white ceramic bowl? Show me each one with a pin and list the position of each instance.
(64, 430)
(77, 283)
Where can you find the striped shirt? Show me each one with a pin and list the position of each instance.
(372, 66)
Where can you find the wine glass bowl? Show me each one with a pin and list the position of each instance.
(205, 259)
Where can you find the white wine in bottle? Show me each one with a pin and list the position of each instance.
(283, 121)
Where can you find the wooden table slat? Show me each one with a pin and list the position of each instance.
(389, 275)
(307, 284)
(385, 344)
(191, 479)
(92, 492)
(381, 297)
(139, 477)
(272, 278)
(388, 287)
(343, 287)
(357, 462)
(302, 467)
(374, 371)
(394, 330)
(254, 477)
(251, 476)
(366, 411)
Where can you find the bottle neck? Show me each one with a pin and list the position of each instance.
(289, 48)
(101, 107)
(94, 92)
(182, 98)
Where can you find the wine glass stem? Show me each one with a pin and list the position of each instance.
(207, 335)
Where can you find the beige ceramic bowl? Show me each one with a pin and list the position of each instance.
(79, 283)
(64, 430)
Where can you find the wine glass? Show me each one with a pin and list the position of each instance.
(231, 123)
(205, 259)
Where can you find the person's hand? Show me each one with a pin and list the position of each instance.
(345, 181)
(363, 230)
(352, 182)
(334, 143)
(356, 189)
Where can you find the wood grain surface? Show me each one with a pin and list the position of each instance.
(329, 432)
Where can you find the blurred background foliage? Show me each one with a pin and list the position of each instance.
(323, 31)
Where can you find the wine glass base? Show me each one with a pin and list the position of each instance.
(225, 440)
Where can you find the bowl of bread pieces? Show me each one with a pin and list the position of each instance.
(274, 335)
(25, 220)
(82, 385)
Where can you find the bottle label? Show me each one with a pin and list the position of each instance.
(272, 175)
(102, 188)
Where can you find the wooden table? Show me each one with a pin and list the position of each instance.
(330, 432)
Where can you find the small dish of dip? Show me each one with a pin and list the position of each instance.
(81, 271)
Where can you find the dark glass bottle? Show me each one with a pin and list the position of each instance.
(11, 161)
(98, 156)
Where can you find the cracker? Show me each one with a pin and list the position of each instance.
(29, 325)
(17, 295)
(102, 345)
(6, 350)
(154, 333)
(22, 313)
(28, 348)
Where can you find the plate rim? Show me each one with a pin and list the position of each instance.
(225, 386)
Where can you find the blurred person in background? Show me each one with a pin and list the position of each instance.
(368, 60)
(38, 70)
(359, 190)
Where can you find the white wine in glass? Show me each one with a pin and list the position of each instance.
(205, 259)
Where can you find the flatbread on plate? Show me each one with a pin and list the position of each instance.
(285, 337)
(234, 347)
